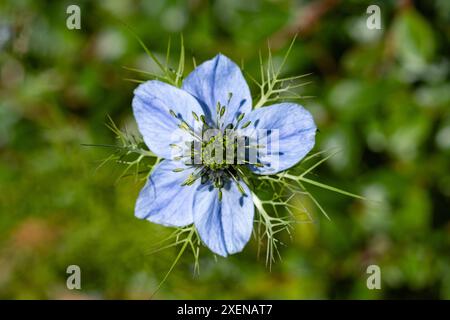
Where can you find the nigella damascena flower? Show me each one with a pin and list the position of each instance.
(197, 182)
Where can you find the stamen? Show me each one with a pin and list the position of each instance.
(173, 114)
(230, 95)
(219, 183)
(211, 169)
(183, 125)
(239, 119)
(190, 180)
(218, 107)
(218, 113)
(222, 111)
(246, 124)
(175, 146)
(241, 189)
(203, 119)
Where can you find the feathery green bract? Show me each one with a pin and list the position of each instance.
(167, 74)
(272, 87)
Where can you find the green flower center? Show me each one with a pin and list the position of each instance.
(216, 154)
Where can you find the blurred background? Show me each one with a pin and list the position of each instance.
(382, 97)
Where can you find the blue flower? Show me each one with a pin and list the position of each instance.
(213, 194)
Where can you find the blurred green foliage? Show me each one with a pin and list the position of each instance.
(382, 97)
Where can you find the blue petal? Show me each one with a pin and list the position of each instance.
(290, 137)
(224, 226)
(152, 103)
(163, 200)
(213, 81)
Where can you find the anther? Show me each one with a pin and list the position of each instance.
(230, 95)
(222, 111)
(203, 119)
(173, 114)
(218, 107)
(239, 118)
(183, 125)
(190, 180)
(241, 190)
(245, 125)
(219, 183)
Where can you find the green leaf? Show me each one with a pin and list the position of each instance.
(414, 38)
